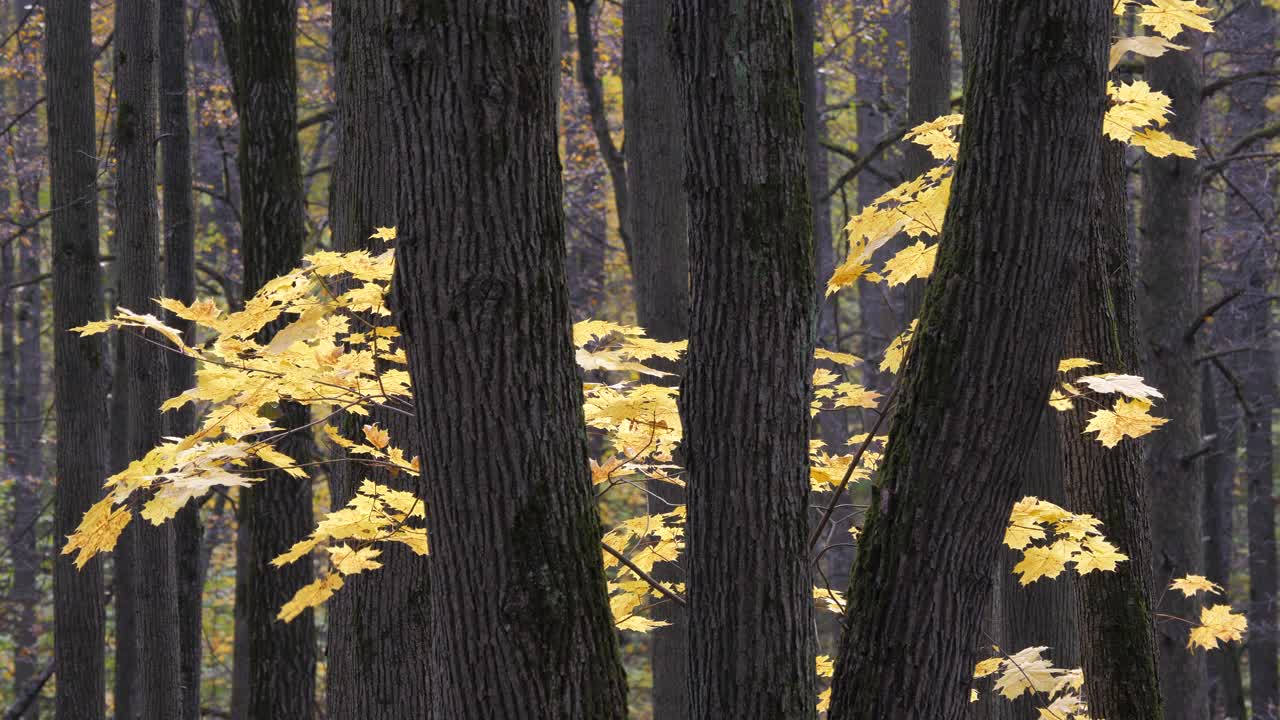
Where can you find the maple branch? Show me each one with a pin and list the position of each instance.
(663, 589)
(860, 163)
(853, 464)
(1235, 384)
(29, 694)
(1222, 83)
(1190, 334)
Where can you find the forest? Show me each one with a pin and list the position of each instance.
(654, 359)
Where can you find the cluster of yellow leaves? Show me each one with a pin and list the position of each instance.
(916, 207)
(1129, 416)
(1049, 537)
(646, 541)
(1028, 671)
(1218, 623)
(376, 514)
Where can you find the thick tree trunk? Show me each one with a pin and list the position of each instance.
(279, 658)
(1115, 608)
(1226, 687)
(959, 438)
(379, 625)
(520, 617)
(156, 687)
(751, 329)
(929, 97)
(180, 281)
(80, 364)
(1169, 301)
(660, 270)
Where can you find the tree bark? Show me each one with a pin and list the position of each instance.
(1169, 302)
(1226, 687)
(520, 616)
(25, 455)
(952, 470)
(380, 624)
(929, 97)
(751, 329)
(80, 377)
(156, 687)
(1115, 608)
(180, 281)
(658, 224)
(280, 658)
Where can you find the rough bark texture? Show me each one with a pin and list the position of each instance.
(745, 396)
(1117, 635)
(1226, 686)
(929, 97)
(1169, 300)
(922, 579)
(521, 626)
(279, 658)
(1041, 613)
(660, 268)
(379, 626)
(180, 284)
(156, 678)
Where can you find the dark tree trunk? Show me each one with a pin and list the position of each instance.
(520, 617)
(180, 283)
(25, 455)
(1253, 187)
(280, 658)
(953, 468)
(1115, 608)
(751, 328)
(1259, 383)
(1226, 687)
(379, 625)
(660, 270)
(1169, 302)
(1043, 612)
(929, 97)
(157, 678)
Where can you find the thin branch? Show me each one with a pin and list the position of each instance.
(30, 694)
(860, 163)
(1190, 334)
(1223, 83)
(663, 589)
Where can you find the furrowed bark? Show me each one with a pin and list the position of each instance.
(952, 470)
(519, 612)
(744, 399)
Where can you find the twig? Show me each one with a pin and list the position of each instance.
(663, 589)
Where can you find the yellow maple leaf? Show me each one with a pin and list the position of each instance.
(1145, 45)
(824, 666)
(1161, 144)
(98, 531)
(845, 275)
(1073, 363)
(912, 261)
(350, 561)
(987, 667)
(1027, 671)
(1217, 623)
(1134, 106)
(854, 395)
(1098, 554)
(1191, 584)
(638, 623)
(839, 358)
(383, 233)
(311, 595)
(1128, 418)
(1169, 17)
(1038, 562)
(1128, 385)
(376, 436)
(897, 350)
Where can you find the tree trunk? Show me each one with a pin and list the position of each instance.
(379, 625)
(929, 97)
(658, 225)
(158, 679)
(280, 657)
(1169, 303)
(960, 436)
(751, 329)
(80, 364)
(1226, 687)
(520, 616)
(180, 281)
(1115, 608)
(25, 455)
